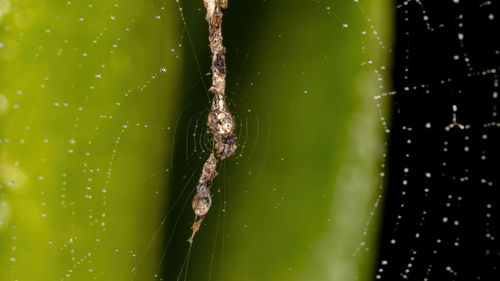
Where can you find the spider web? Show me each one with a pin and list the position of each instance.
(442, 200)
(100, 217)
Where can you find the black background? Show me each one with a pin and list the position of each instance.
(441, 219)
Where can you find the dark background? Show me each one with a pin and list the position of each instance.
(442, 206)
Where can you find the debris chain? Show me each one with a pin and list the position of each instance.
(220, 120)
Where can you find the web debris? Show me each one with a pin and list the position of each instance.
(221, 121)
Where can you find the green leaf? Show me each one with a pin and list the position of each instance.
(84, 138)
(103, 109)
(298, 202)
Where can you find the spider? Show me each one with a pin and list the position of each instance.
(220, 120)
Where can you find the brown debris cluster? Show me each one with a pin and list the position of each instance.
(221, 121)
(202, 200)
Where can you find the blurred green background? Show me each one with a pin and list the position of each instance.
(103, 110)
